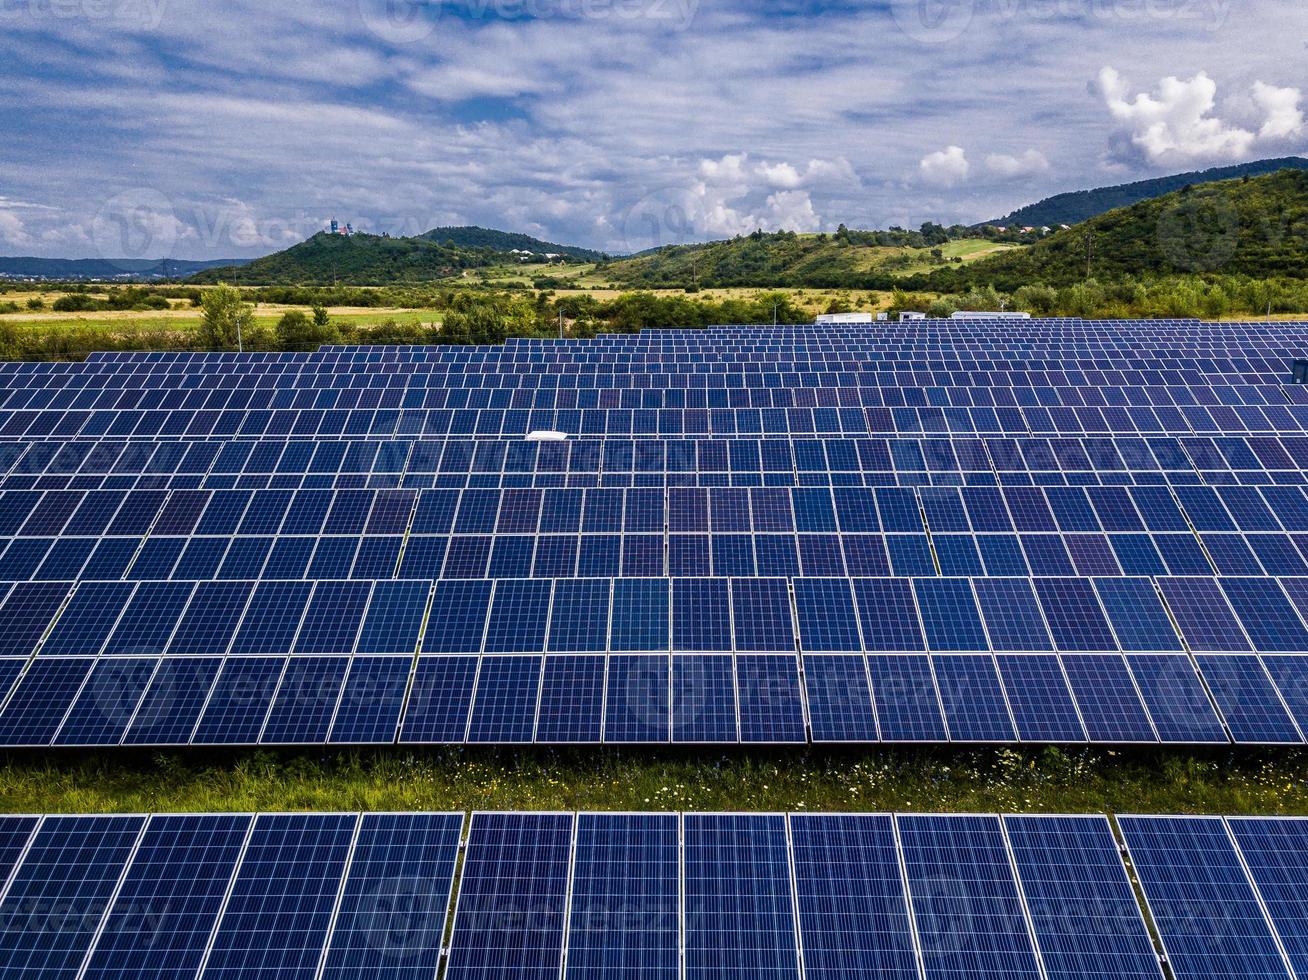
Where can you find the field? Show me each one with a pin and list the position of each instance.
(1010, 780)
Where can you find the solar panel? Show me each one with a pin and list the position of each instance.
(391, 919)
(739, 904)
(512, 906)
(852, 907)
(72, 865)
(1275, 852)
(1200, 898)
(160, 921)
(624, 916)
(969, 915)
(1084, 913)
(277, 917)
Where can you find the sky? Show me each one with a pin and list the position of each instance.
(202, 130)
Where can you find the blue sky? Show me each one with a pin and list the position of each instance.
(211, 130)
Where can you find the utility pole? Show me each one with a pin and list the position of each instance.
(1089, 252)
(561, 324)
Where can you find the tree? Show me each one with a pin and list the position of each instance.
(226, 316)
(295, 331)
(320, 318)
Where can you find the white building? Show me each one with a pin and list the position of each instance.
(844, 318)
(977, 315)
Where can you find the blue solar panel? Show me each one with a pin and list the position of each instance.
(439, 700)
(1275, 851)
(278, 915)
(71, 869)
(907, 704)
(955, 863)
(42, 697)
(305, 701)
(839, 698)
(571, 699)
(161, 919)
(704, 698)
(1176, 699)
(394, 617)
(504, 705)
(739, 907)
(973, 698)
(107, 702)
(512, 906)
(239, 701)
(1249, 703)
(624, 916)
(371, 701)
(1040, 699)
(172, 703)
(949, 615)
(391, 920)
(1083, 911)
(637, 704)
(768, 690)
(1200, 898)
(1106, 694)
(853, 913)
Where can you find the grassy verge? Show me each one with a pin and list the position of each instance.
(1254, 782)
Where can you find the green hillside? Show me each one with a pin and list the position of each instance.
(1254, 226)
(847, 259)
(366, 260)
(1078, 206)
(471, 236)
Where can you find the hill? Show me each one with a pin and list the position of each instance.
(1254, 226)
(366, 260)
(847, 259)
(1078, 206)
(27, 266)
(471, 236)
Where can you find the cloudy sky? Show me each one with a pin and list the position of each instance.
(209, 130)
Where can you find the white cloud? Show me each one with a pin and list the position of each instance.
(12, 229)
(1284, 118)
(1177, 124)
(1028, 164)
(945, 168)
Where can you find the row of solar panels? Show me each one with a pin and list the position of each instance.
(653, 896)
(646, 699)
(573, 555)
(845, 510)
(1209, 457)
(666, 423)
(681, 615)
(769, 392)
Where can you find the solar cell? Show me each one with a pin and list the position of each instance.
(1084, 913)
(160, 921)
(1275, 853)
(966, 905)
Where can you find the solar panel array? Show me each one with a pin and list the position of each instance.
(651, 895)
(1052, 531)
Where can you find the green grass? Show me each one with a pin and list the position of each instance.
(1230, 781)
